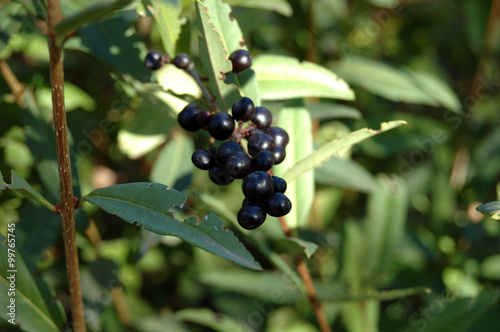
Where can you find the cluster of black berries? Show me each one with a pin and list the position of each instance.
(264, 193)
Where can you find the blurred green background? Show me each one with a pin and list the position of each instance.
(396, 212)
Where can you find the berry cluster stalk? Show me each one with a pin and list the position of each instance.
(67, 207)
(305, 275)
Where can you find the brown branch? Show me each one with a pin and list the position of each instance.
(67, 208)
(15, 86)
(305, 275)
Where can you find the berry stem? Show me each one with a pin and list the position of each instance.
(54, 16)
(305, 275)
(206, 94)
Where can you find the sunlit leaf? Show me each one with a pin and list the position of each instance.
(168, 22)
(279, 6)
(213, 320)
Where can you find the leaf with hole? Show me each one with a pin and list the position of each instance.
(152, 205)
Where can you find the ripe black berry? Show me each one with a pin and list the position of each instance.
(238, 165)
(278, 205)
(251, 216)
(258, 142)
(202, 159)
(262, 118)
(225, 150)
(263, 161)
(279, 154)
(219, 176)
(203, 118)
(221, 126)
(154, 60)
(279, 184)
(241, 60)
(257, 186)
(187, 117)
(280, 136)
(182, 61)
(243, 109)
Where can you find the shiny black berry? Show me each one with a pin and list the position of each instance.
(238, 165)
(187, 117)
(278, 205)
(263, 161)
(219, 176)
(279, 135)
(203, 118)
(279, 184)
(182, 61)
(262, 118)
(221, 126)
(251, 216)
(154, 60)
(279, 154)
(259, 142)
(203, 159)
(257, 186)
(243, 109)
(225, 150)
(241, 60)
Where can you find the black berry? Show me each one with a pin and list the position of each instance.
(243, 109)
(279, 135)
(187, 117)
(182, 61)
(279, 154)
(203, 118)
(241, 60)
(154, 60)
(262, 161)
(262, 118)
(202, 159)
(238, 165)
(257, 186)
(221, 126)
(258, 142)
(251, 216)
(225, 150)
(219, 176)
(279, 184)
(278, 205)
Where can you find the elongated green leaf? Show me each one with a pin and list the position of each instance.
(168, 22)
(214, 57)
(22, 187)
(16, 282)
(345, 173)
(396, 84)
(324, 111)
(491, 209)
(232, 39)
(297, 122)
(296, 245)
(280, 6)
(151, 204)
(282, 77)
(92, 13)
(326, 151)
(213, 320)
(386, 295)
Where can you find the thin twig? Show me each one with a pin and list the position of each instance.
(305, 275)
(206, 94)
(67, 208)
(15, 86)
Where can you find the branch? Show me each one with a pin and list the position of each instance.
(67, 209)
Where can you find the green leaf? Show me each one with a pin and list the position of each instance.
(174, 161)
(214, 57)
(168, 22)
(151, 204)
(490, 267)
(280, 6)
(23, 188)
(326, 151)
(282, 77)
(213, 320)
(90, 14)
(345, 173)
(328, 111)
(297, 122)
(396, 84)
(491, 209)
(178, 81)
(386, 295)
(32, 311)
(296, 245)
